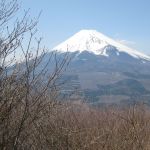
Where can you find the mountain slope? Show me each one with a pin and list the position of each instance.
(97, 43)
(101, 68)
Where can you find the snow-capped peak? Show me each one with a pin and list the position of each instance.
(95, 42)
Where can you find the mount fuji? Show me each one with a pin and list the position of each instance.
(104, 70)
(91, 50)
(98, 44)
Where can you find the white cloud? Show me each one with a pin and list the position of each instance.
(126, 42)
(123, 41)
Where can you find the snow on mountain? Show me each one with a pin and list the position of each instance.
(95, 42)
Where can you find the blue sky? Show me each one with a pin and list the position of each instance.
(125, 20)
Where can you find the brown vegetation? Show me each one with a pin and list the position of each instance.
(80, 127)
(32, 118)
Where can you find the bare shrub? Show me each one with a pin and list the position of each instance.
(27, 93)
(81, 127)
